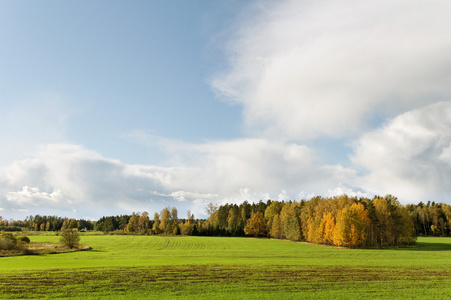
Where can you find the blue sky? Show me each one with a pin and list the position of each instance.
(110, 107)
(120, 66)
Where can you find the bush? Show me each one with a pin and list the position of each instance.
(70, 238)
(9, 242)
(10, 228)
(25, 239)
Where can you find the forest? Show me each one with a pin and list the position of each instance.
(354, 222)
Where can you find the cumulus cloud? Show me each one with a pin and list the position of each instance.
(409, 156)
(68, 178)
(33, 196)
(64, 177)
(309, 69)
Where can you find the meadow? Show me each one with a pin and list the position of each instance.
(141, 267)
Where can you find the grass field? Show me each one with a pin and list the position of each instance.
(141, 267)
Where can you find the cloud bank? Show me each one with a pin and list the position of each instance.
(408, 156)
(71, 179)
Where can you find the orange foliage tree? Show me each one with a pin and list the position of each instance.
(256, 225)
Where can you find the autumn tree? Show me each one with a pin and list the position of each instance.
(188, 227)
(132, 225)
(350, 229)
(156, 223)
(143, 222)
(70, 224)
(174, 215)
(285, 213)
(276, 230)
(271, 211)
(212, 212)
(393, 226)
(165, 219)
(256, 225)
(327, 228)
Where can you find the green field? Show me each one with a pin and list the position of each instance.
(142, 267)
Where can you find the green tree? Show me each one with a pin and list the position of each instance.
(108, 226)
(188, 228)
(292, 227)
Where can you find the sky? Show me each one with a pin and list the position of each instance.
(114, 107)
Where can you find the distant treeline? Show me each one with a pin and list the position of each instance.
(343, 221)
(45, 223)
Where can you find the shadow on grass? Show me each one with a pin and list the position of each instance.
(97, 250)
(420, 246)
(429, 247)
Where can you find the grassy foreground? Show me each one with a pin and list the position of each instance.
(140, 267)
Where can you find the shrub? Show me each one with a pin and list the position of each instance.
(25, 239)
(9, 242)
(70, 238)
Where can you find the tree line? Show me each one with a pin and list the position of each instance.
(355, 222)
(45, 223)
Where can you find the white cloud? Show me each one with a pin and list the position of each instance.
(410, 156)
(79, 179)
(343, 190)
(33, 196)
(283, 196)
(261, 165)
(307, 69)
(63, 178)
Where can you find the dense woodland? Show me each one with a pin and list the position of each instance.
(342, 221)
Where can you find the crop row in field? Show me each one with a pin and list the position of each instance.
(133, 267)
(232, 281)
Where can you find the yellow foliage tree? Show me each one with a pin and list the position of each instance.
(165, 218)
(275, 231)
(350, 229)
(256, 225)
(270, 212)
(327, 228)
